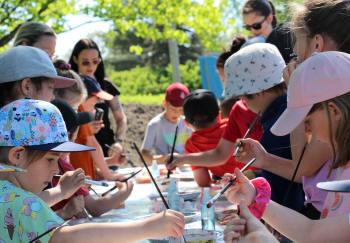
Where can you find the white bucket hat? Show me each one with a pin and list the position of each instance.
(253, 69)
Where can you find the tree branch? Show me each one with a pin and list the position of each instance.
(7, 15)
(7, 38)
(82, 24)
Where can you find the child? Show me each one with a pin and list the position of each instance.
(95, 206)
(33, 137)
(36, 77)
(202, 115)
(160, 130)
(255, 74)
(90, 162)
(319, 93)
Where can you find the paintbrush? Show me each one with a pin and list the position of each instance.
(124, 180)
(250, 128)
(223, 190)
(171, 158)
(90, 182)
(154, 181)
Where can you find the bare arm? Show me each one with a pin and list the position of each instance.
(119, 117)
(214, 157)
(168, 223)
(147, 154)
(98, 158)
(314, 157)
(301, 229)
(98, 206)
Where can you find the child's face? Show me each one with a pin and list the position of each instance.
(88, 61)
(302, 47)
(39, 172)
(46, 91)
(318, 123)
(172, 113)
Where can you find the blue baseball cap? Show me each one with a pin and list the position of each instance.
(94, 88)
(37, 125)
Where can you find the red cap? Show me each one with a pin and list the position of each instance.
(176, 94)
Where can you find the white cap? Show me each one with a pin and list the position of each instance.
(253, 69)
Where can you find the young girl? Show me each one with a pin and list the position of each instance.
(259, 17)
(33, 137)
(38, 35)
(36, 77)
(94, 206)
(86, 60)
(324, 103)
(318, 26)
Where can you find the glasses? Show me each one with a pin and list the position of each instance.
(94, 62)
(255, 26)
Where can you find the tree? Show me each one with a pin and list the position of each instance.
(159, 20)
(16, 12)
(155, 53)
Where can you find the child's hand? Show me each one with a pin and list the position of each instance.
(178, 160)
(125, 188)
(96, 126)
(242, 189)
(73, 207)
(70, 182)
(289, 69)
(247, 228)
(250, 149)
(167, 223)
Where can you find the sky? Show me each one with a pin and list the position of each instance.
(67, 40)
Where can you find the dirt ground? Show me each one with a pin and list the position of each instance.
(138, 116)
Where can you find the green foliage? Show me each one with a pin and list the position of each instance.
(154, 80)
(154, 53)
(14, 13)
(158, 19)
(142, 99)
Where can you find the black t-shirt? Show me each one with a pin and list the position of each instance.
(106, 134)
(281, 37)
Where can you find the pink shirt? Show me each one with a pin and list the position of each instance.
(338, 203)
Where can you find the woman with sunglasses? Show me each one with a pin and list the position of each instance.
(86, 60)
(259, 18)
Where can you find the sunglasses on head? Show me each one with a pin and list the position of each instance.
(255, 26)
(94, 62)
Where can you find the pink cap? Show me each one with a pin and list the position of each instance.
(176, 94)
(321, 77)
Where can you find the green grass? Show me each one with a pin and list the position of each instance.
(142, 99)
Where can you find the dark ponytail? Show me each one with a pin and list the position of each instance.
(262, 7)
(237, 43)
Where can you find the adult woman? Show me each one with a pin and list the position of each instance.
(37, 35)
(86, 60)
(260, 19)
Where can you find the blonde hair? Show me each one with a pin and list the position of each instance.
(29, 33)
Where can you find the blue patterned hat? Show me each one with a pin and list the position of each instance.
(35, 124)
(253, 69)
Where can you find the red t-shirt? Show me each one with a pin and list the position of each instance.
(66, 166)
(207, 139)
(239, 120)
